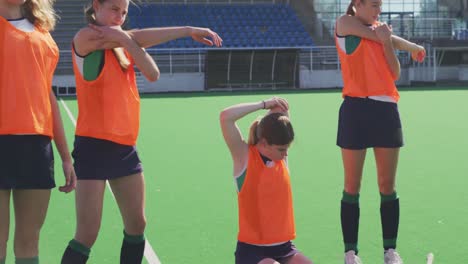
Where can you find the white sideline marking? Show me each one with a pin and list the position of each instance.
(150, 254)
(430, 258)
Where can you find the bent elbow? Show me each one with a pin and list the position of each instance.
(222, 116)
(154, 76)
(225, 116)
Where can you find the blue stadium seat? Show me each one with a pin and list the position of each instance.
(244, 25)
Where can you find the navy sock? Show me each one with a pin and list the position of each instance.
(75, 253)
(390, 218)
(133, 248)
(34, 260)
(350, 221)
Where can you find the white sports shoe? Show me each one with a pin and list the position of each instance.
(392, 257)
(352, 258)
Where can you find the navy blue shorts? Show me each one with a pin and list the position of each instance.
(251, 254)
(26, 162)
(367, 123)
(98, 159)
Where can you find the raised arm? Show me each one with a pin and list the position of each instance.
(231, 133)
(88, 40)
(143, 60)
(350, 25)
(153, 36)
(418, 53)
(94, 38)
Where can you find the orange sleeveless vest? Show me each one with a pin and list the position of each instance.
(265, 203)
(108, 107)
(27, 65)
(365, 72)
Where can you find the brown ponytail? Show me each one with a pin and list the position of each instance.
(253, 136)
(118, 52)
(275, 128)
(350, 10)
(89, 14)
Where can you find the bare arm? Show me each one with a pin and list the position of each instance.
(417, 52)
(153, 36)
(392, 59)
(88, 40)
(62, 147)
(143, 60)
(94, 38)
(384, 34)
(350, 25)
(231, 133)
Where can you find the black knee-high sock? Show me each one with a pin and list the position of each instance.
(75, 253)
(350, 221)
(133, 248)
(390, 218)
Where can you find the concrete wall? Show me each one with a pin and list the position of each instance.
(180, 82)
(191, 82)
(332, 79)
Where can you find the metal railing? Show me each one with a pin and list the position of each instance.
(326, 58)
(216, 1)
(177, 61)
(429, 28)
(331, 9)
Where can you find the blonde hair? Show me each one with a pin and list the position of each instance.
(118, 52)
(40, 13)
(275, 128)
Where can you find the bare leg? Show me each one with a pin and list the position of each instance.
(353, 163)
(4, 221)
(387, 162)
(129, 192)
(30, 212)
(299, 258)
(89, 202)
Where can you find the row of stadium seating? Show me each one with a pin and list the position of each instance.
(461, 34)
(259, 25)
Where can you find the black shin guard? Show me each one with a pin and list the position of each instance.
(71, 256)
(132, 253)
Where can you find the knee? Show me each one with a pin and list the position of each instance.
(386, 187)
(136, 226)
(352, 185)
(352, 189)
(26, 246)
(87, 236)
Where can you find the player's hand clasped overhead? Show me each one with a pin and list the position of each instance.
(276, 104)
